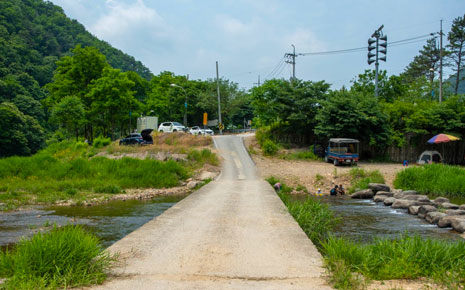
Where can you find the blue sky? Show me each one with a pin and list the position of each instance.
(250, 37)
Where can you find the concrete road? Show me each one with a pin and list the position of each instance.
(234, 233)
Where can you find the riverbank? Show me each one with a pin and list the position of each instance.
(70, 173)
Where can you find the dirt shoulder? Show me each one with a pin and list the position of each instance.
(313, 174)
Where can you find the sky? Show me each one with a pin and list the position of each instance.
(249, 38)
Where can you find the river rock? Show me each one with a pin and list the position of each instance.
(417, 198)
(446, 222)
(366, 193)
(378, 187)
(440, 200)
(459, 225)
(448, 205)
(455, 212)
(192, 184)
(433, 216)
(424, 209)
(413, 209)
(405, 203)
(380, 198)
(207, 175)
(385, 193)
(402, 194)
(389, 201)
(462, 207)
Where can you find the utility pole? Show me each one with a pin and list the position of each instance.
(258, 83)
(377, 35)
(440, 65)
(291, 60)
(220, 124)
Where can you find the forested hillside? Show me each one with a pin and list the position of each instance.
(33, 35)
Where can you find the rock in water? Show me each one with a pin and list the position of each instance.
(446, 222)
(459, 225)
(378, 187)
(433, 216)
(413, 209)
(389, 201)
(366, 193)
(440, 200)
(448, 205)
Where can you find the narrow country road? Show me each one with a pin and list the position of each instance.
(234, 233)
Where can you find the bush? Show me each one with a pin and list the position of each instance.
(437, 179)
(100, 142)
(360, 178)
(202, 157)
(269, 148)
(64, 257)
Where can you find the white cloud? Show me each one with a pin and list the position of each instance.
(304, 40)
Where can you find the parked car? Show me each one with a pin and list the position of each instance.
(138, 138)
(429, 157)
(196, 130)
(342, 151)
(168, 127)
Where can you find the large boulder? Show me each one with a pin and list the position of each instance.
(378, 187)
(380, 198)
(462, 207)
(366, 193)
(413, 209)
(433, 217)
(448, 205)
(440, 200)
(385, 193)
(405, 203)
(455, 212)
(424, 209)
(389, 201)
(417, 198)
(458, 225)
(446, 222)
(402, 194)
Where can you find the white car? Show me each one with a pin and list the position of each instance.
(196, 130)
(169, 127)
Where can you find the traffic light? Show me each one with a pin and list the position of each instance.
(370, 48)
(384, 46)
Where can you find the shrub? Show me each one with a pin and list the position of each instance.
(64, 257)
(269, 148)
(100, 142)
(360, 178)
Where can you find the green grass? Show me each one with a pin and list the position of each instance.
(301, 155)
(63, 171)
(360, 178)
(403, 258)
(437, 179)
(64, 257)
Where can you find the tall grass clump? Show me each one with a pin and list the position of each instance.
(437, 179)
(201, 157)
(314, 217)
(360, 178)
(403, 258)
(101, 142)
(64, 257)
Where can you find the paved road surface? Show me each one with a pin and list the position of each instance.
(234, 233)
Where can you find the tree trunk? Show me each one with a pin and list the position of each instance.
(458, 70)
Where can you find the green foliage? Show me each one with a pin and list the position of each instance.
(403, 258)
(360, 178)
(19, 134)
(437, 179)
(69, 113)
(301, 155)
(101, 141)
(270, 148)
(64, 257)
(201, 157)
(456, 39)
(353, 115)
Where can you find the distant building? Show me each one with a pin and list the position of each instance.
(147, 123)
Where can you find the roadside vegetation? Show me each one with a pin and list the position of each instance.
(62, 258)
(71, 170)
(354, 264)
(436, 179)
(359, 178)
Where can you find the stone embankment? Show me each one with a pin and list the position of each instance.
(438, 211)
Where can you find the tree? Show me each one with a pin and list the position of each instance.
(456, 39)
(69, 113)
(19, 134)
(353, 115)
(424, 64)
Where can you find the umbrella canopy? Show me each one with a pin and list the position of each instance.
(442, 138)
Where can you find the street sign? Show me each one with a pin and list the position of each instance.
(221, 126)
(205, 118)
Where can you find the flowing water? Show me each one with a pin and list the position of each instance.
(363, 220)
(110, 221)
